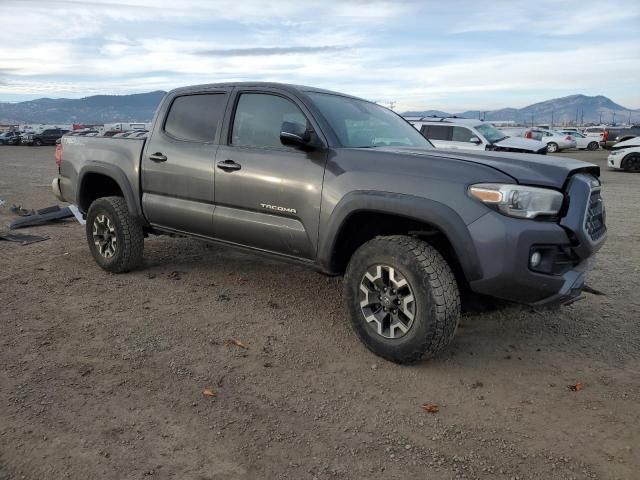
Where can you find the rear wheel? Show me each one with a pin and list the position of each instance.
(631, 163)
(552, 147)
(593, 146)
(37, 142)
(403, 298)
(115, 238)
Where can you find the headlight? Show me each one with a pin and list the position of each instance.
(518, 200)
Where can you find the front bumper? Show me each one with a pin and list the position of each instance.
(505, 244)
(614, 159)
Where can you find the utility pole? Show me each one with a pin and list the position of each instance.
(532, 120)
(600, 121)
(552, 112)
(392, 104)
(614, 118)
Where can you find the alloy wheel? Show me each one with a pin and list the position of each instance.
(104, 235)
(387, 301)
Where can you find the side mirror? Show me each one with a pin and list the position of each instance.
(475, 140)
(294, 134)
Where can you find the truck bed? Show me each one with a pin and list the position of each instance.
(117, 156)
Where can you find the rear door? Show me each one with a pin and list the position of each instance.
(178, 162)
(268, 194)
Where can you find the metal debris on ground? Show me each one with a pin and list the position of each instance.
(38, 217)
(21, 238)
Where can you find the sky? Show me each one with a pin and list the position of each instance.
(419, 54)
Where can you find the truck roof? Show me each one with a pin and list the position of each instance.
(283, 86)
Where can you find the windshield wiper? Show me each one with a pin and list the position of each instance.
(500, 139)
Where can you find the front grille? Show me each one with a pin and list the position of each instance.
(594, 219)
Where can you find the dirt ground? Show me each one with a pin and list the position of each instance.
(102, 376)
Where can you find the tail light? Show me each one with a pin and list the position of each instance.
(568, 137)
(528, 134)
(59, 154)
(605, 136)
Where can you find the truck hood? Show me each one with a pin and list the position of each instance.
(521, 143)
(524, 168)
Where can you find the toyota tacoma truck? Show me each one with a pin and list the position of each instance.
(348, 188)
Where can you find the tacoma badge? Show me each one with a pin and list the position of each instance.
(278, 209)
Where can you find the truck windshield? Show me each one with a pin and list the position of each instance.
(361, 124)
(490, 132)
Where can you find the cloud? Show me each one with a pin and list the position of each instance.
(266, 51)
(419, 53)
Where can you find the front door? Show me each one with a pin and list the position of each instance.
(267, 194)
(178, 163)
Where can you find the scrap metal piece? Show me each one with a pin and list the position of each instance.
(44, 215)
(21, 238)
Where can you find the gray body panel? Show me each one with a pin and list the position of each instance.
(293, 202)
(118, 158)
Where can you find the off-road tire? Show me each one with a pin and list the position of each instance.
(437, 298)
(128, 233)
(593, 146)
(552, 147)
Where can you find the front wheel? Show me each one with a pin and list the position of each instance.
(37, 142)
(631, 163)
(403, 298)
(115, 238)
(552, 147)
(593, 146)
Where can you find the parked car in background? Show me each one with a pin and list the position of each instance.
(582, 141)
(10, 138)
(625, 155)
(613, 135)
(555, 141)
(46, 137)
(594, 132)
(472, 134)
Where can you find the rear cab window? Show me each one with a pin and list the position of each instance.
(196, 117)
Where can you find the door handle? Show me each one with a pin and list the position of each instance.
(158, 157)
(229, 165)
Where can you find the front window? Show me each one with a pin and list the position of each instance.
(491, 133)
(362, 124)
(259, 118)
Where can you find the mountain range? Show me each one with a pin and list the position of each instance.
(96, 109)
(583, 108)
(140, 107)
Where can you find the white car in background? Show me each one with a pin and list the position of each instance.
(582, 141)
(597, 133)
(472, 134)
(556, 141)
(625, 156)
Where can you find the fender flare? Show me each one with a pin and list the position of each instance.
(118, 176)
(439, 215)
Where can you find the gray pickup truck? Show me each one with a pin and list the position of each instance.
(349, 188)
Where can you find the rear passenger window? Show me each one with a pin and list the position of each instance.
(259, 118)
(195, 118)
(437, 132)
